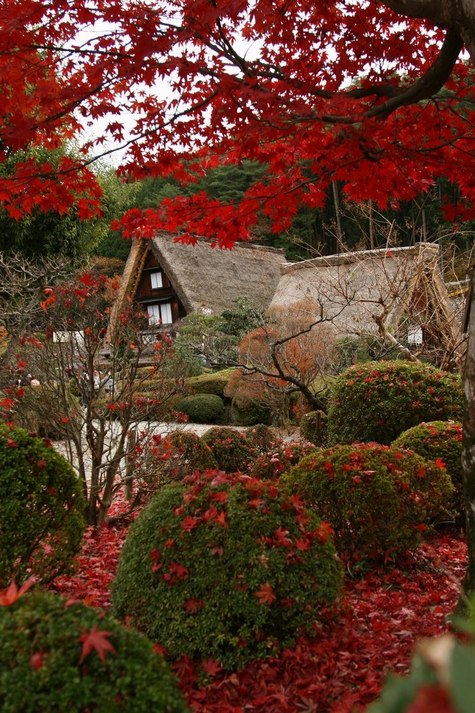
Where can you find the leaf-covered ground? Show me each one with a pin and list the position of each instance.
(342, 668)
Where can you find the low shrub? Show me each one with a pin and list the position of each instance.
(59, 656)
(164, 459)
(249, 412)
(313, 427)
(279, 460)
(230, 449)
(41, 508)
(251, 401)
(439, 441)
(202, 408)
(379, 400)
(378, 499)
(261, 438)
(225, 566)
(213, 383)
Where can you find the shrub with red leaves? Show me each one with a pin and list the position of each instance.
(58, 655)
(379, 500)
(439, 441)
(226, 567)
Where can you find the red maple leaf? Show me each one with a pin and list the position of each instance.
(10, 595)
(211, 667)
(96, 640)
(265, 594)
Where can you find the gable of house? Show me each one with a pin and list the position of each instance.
(170, 279)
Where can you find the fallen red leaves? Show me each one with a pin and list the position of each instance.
(343, 667)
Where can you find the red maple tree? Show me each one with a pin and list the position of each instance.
(376, 95)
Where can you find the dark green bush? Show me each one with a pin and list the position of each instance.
(227, 567)
(41, 508)
(379, 400)
(261, 438)
(249, 413)
(202, 408)
(230, 449)
(279, 460)
(313, 427)
(172, 457)
(45, 664)
(378, 499)
(439, 441)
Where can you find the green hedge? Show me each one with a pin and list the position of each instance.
(378, 499)
(51, 661)
(172, 457)
(379, 400)
(213, 383)
(230, 449)
(439, 441)
(41, 508)
(202, 408)
(227, 568)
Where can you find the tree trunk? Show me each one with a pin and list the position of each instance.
(468, 449)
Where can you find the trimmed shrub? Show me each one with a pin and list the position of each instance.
(228, 568)
(378, 499)
(229, 447)
(249, 412)
(202, 408)
(41, 508)
(213, 383)
(252, 402)
(379, 400)
(261, 438)
(272, 464)
(439, 441)
(167, 458)
(313, 427)
(58, 656)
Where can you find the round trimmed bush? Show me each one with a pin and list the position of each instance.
(261, 438)
(439, 441)
(51, 660)
(249, 412)
(213, 383)
(379, 400)
(230, 449)
(278, 460)
(202, 408)
(313, 427)
(173, 457)
(41, 508)
(227, 567)
(378, 499)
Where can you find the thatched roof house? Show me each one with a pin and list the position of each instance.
(171, 279)
(398, 293)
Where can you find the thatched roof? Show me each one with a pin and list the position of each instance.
(355, 290)
(205, 279)
(210, 279)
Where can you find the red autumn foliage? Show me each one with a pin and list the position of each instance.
(248, 78)
(96, 640)
(343, 667)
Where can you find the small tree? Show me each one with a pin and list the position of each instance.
(90, 393)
